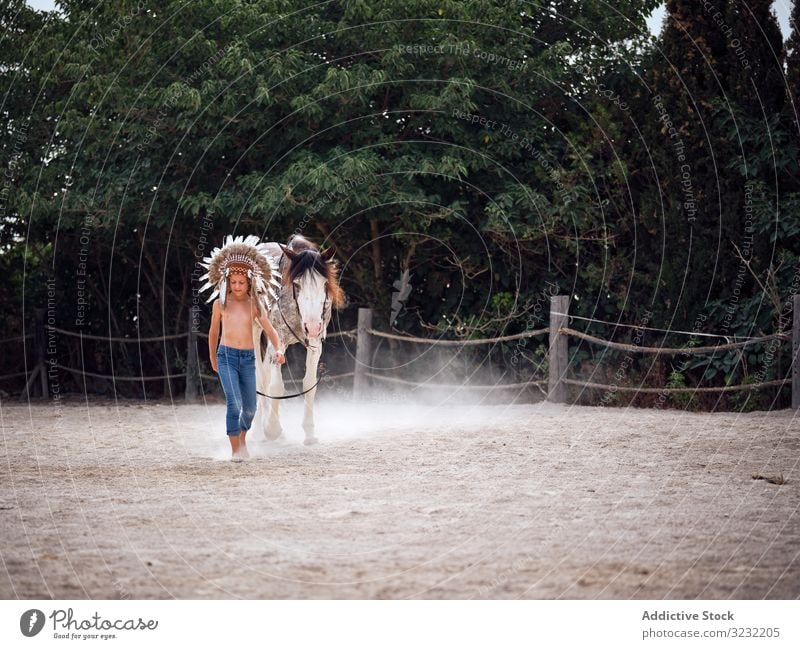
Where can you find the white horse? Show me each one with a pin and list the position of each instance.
(308, 290)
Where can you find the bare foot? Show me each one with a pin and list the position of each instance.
(236, 446)
(243, 452)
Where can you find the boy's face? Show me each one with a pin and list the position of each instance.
(238, 284)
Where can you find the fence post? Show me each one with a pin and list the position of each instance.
(556, 388)
(192, 363)
(363, 353)
(40, 341)
(796, 351)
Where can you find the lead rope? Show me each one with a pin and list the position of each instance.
(299, 394)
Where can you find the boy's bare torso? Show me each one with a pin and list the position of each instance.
(237, 323)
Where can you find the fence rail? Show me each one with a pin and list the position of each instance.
(559, 333)
(458, 343)
(457, 386)
(116, 377)
(13, 338)
(192, 374)
(718, 389)
(113, 339)
(556, 382)
(672, 351)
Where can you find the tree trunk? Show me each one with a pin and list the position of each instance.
(376, 249)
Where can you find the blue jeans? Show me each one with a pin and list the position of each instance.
(237, 372)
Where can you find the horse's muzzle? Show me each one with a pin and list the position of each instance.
(313, 329)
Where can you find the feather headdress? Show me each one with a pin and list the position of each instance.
(243, 255)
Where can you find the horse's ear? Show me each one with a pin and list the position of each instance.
(328, 254)
(288, 251)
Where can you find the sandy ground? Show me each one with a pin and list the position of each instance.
(136, 500)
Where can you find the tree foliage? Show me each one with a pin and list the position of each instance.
(486, 148)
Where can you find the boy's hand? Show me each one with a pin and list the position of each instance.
(280, 359)
(214, 365)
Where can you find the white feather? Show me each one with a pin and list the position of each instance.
(213, 295)
(205, 286)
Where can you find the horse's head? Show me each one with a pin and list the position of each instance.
(311, 275)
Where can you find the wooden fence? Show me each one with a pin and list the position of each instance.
(558, 361)
(37, 382)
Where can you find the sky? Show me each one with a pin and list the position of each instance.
(782, 9)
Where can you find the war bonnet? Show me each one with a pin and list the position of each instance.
(243, 255)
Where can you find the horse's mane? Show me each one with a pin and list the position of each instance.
(309, 258)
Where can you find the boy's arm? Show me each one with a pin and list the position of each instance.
(213, 334)
(273, 337)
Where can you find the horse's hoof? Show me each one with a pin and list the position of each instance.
(273, 435)
(311, 440)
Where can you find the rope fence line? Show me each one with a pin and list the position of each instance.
(558, 359)
(13, 338)
(112, 339)
(726, 388)
(350, 333)
(455, 386)
(13, 376)
(113, 377)
(585, 336)
(670, 351)
(458, 343)
(643, 328)
(331, 377)
(477, 341)
(189, 375)
(148, 339)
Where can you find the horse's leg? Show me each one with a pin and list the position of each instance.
(312, 361)
(273, 430)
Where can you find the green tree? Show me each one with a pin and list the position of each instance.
(791, 109)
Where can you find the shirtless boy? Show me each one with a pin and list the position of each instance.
(234, 360)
